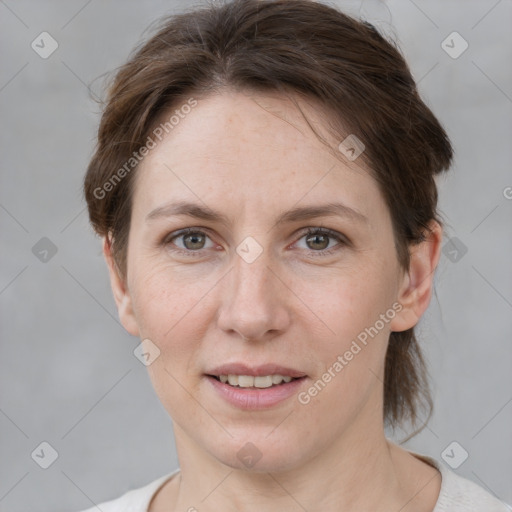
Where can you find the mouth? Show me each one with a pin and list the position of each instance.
(251, 388)
(258, 382)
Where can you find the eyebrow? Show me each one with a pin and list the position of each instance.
(297, 214)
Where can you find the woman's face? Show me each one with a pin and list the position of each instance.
(249, 287)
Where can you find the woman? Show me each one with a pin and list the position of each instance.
(233, 142)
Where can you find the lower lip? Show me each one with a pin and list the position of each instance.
(256, 398)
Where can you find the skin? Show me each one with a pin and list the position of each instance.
(252, 157)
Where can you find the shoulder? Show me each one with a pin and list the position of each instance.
(135, 500)
(459, 494)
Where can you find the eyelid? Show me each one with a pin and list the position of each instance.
(319, 230)
(185, 231)
(326, 231)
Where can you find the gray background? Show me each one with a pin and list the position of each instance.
(68, 375)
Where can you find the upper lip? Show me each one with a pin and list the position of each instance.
(255, 371)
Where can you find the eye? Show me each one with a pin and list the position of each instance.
(189, 240)
(318, 240)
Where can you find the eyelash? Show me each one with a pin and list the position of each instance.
(309, 231)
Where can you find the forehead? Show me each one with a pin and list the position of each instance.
(254, 148)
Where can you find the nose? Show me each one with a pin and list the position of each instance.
(255, 302)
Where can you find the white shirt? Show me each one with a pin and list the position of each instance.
(457, 494)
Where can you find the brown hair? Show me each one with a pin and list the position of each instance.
(311, 50)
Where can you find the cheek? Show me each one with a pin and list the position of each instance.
(161, 294)
(170, 306)
(346, 301)
(356, 311)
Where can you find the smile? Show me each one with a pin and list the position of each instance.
(249, 381)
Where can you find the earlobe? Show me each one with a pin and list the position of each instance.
(121, 293)
(416, 286)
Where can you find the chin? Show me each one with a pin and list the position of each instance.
(255, 452)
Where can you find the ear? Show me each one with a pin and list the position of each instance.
(120, 291)
(416, 284)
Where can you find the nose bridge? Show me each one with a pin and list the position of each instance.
(253, 302)
(252, 278)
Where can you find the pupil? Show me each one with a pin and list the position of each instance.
(195, 243)
(316, 237)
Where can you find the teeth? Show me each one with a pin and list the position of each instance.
(248, 381)
(263, 382)
(244, 381)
